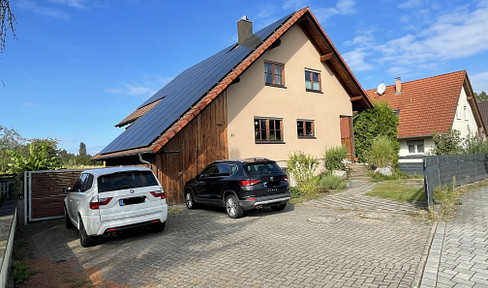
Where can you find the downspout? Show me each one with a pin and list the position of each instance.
(144, 161)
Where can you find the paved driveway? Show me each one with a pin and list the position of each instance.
(306, 245)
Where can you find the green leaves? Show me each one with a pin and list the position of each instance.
(302, 167)
(371, 123)
(446, 144)
(38, 158)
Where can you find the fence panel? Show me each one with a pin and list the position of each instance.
(44, 193)
(444, 169)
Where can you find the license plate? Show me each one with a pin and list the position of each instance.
(133, 200)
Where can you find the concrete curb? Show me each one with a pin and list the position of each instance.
(425, 256)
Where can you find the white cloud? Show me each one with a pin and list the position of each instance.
(44, 11)
(409, 4)
(454, 35)
(343, 7)
(79, 4)
(355, 60)
(294, 4)
(146, 89)
(479, 82)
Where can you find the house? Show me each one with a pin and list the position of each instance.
(483, 105)
(282, 89)
(429, 105)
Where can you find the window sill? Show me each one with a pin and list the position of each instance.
(307, 137)
(270, 142)
(314, 91)
(275, 85)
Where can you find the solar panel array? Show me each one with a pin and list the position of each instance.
(182, 93)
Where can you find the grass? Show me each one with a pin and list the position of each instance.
(396, 190)
(22, 272)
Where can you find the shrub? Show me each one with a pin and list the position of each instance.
(334, 158)
(446, 144)
(302, 167)
(381, 152)
(329, 181)
(22, 272)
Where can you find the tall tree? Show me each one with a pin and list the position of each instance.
(482, 96)
(82, 150)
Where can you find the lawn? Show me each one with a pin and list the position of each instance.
(398, 190)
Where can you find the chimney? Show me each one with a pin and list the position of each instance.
(244, 29)
(398, 85)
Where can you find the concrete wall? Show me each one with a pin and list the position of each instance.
(8, 222)
(252, 98)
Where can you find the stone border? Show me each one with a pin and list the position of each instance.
(8, 223)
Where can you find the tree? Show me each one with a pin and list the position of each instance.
(82, 150)
(39, 158)
(7, 21)
(10, 139)
(482, 96)
(447, 144)
(371, 123)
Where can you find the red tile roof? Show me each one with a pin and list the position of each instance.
(426, 105)
(138, 113)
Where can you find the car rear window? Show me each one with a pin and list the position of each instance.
(256, 169)
(126, 180)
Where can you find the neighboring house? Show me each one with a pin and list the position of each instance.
(429, 105)
(483, 105)
(282, 89)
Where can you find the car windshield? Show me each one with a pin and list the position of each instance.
(257, 169)
(125, 180)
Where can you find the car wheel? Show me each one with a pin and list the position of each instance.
(69, 225)
(158, 227)
(85, 240)
(232, 207)
(279, 207)
(190, 201)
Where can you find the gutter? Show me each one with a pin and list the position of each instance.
(144, 161)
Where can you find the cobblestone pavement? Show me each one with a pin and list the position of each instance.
(306, 245)
(459, 251)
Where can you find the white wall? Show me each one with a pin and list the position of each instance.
(469, 126)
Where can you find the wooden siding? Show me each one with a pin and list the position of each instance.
(346, 135)
(202, 141)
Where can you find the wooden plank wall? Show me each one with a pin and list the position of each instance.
(202, 141)
(47, 192)
(346, 135)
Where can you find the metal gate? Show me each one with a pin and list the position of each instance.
(43, 193)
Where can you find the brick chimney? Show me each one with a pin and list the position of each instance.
(244, 29)
(398, 85)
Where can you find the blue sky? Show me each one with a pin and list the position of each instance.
(79, 67)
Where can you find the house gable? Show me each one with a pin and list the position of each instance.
(142, 136)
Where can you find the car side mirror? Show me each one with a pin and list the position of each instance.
(67, 189)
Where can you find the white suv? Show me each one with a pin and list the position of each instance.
(109, 200)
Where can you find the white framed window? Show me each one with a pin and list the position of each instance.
(415, 147)
(458, 113)
(466, 113)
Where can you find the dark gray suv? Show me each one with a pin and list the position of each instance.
(239, 185)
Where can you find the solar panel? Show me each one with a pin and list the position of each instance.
(182, 93)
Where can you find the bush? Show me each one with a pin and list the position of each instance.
(381, 153)
(302, 167)
(447, 144)
(334, 157)
(329, 181)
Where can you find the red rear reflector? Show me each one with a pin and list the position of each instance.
(94, 205)
(158, 194)
(248, 182)
(251, 199)
(111, 230)
(155, 221)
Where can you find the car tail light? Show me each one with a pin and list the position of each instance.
(285, 178)
(158, 194)
(94, 204)
(244, 183)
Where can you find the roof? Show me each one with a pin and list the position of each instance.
(483, 106)
(104, 171)
(191, 91)
(428, 104)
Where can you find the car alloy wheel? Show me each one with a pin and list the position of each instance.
(190, 202)
(232, 207)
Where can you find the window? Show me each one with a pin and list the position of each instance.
(466, 113)
(305, 128)
(274, 74)
(268, 130)
(83, 183)
(312, 80)
(396, 112)
(415, 147)
(126, 180)
(458, 114)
